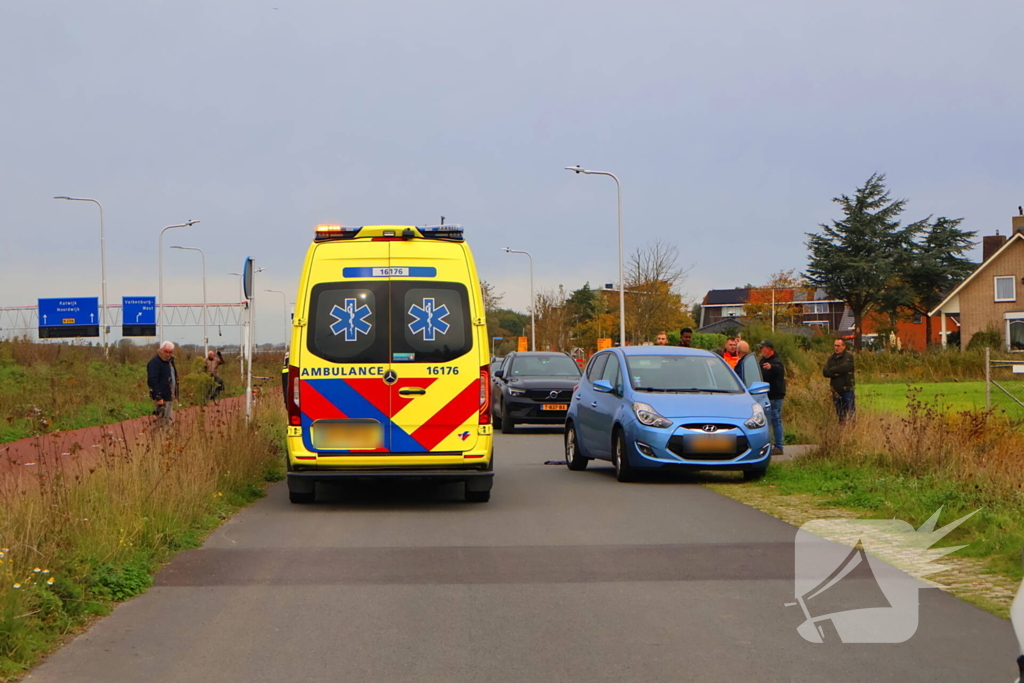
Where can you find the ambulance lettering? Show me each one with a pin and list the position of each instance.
(428, 320)
(364, 371)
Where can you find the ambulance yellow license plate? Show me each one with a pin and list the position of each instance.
(347, 435)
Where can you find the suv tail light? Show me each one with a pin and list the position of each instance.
(485, 395)
(291, 398)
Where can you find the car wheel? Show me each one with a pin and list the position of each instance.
(754, 475)
(302, 498)
(478, 496)
(623, 470)
(573, 460)
(496, 418)
(508, 425)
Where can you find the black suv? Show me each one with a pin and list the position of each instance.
(533, 387)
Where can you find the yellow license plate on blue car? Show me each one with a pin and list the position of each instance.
(710, 443)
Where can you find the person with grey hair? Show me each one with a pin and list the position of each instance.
(163, 382)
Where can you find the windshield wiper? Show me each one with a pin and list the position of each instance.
(651, 389)
(695, 390)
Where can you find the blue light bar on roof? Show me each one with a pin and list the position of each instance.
(432, 229)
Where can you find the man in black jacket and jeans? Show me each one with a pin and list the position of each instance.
(839, 370)
(774, 372)
(162, 378)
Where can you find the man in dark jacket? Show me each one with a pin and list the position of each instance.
(839, 370)
(774, 372)
(162, 378)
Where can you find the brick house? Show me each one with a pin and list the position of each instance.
(993, 295)
(816, 310)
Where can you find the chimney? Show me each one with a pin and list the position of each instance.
(1018, 223)
(990, 244)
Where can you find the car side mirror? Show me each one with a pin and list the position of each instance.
(498, 374)
(603, 386)
(759, 388)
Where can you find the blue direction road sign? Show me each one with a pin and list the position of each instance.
(138, 310)
(69, 317)
(138, 316)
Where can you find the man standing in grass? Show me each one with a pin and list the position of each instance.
(839, 370)
(162, 378)
(774, 372)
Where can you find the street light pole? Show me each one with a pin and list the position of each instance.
(622, 283)
(160, 275)
(284, 307)
(206, 339)
(103, 271)
(533, 302)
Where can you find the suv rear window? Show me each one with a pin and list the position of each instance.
(376, 321)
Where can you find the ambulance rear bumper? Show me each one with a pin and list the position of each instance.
(477, 480)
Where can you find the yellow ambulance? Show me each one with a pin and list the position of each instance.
(389, 370)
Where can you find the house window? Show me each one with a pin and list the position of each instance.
(815, 308)
(732, 311)
(1015, 334)
(1005, 288)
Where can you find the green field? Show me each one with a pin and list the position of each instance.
(952, 396)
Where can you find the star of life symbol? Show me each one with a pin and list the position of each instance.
(857, 580)
(350, 321)
(428, 320)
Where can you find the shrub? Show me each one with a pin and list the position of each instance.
(990, 337)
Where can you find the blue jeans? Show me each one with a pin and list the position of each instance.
(844, 403)
(775, 420)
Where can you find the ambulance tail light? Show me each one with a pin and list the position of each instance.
(485, 395)
(292, 398)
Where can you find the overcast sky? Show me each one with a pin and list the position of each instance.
(730, 124)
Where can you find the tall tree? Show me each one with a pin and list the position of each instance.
(936, 265)
(856, 258)
(653, 302)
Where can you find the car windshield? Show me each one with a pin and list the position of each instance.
(544, 366)
(682, 374)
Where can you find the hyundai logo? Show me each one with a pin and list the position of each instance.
(710, 428)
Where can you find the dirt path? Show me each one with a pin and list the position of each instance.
(80, 449)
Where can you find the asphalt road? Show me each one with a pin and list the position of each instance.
(563, 576)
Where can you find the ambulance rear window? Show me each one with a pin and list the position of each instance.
(348, 322)
(430, 321)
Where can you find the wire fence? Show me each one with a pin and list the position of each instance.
(1004, 385)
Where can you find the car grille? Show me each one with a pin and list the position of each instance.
(699, 427)
(676, 445)
(545, 395)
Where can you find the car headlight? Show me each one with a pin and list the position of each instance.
(757, 420)
(517, 392)
(649, 416)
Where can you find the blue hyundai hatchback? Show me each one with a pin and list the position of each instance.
(666, 408)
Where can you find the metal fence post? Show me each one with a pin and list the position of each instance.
(988, 379)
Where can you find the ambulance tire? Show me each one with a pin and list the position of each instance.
(478, 496)
(302, 498)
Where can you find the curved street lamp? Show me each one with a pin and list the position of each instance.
(533, 303)
(160, 276)
(622, 283)
(103, 270)
(206, 340)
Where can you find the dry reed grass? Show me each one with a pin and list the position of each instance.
(98, 534)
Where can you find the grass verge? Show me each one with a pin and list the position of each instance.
(73, 544)
(986, 572)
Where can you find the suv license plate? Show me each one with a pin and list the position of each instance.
(555, 406)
